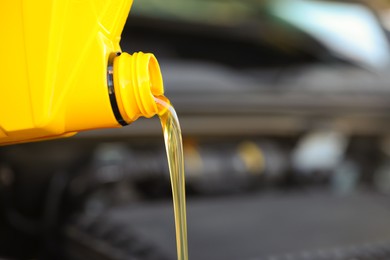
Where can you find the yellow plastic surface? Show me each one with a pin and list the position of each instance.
(137, 79)
(53, 71)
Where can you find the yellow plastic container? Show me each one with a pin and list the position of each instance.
(61, 71)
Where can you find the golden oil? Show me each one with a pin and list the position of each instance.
(174, 149)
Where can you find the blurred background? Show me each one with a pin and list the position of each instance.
(285, 115)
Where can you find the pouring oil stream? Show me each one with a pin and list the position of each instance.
(174, 149)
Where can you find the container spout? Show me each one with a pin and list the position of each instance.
(137, 80)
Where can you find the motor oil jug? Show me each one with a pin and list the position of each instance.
(62, 70)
